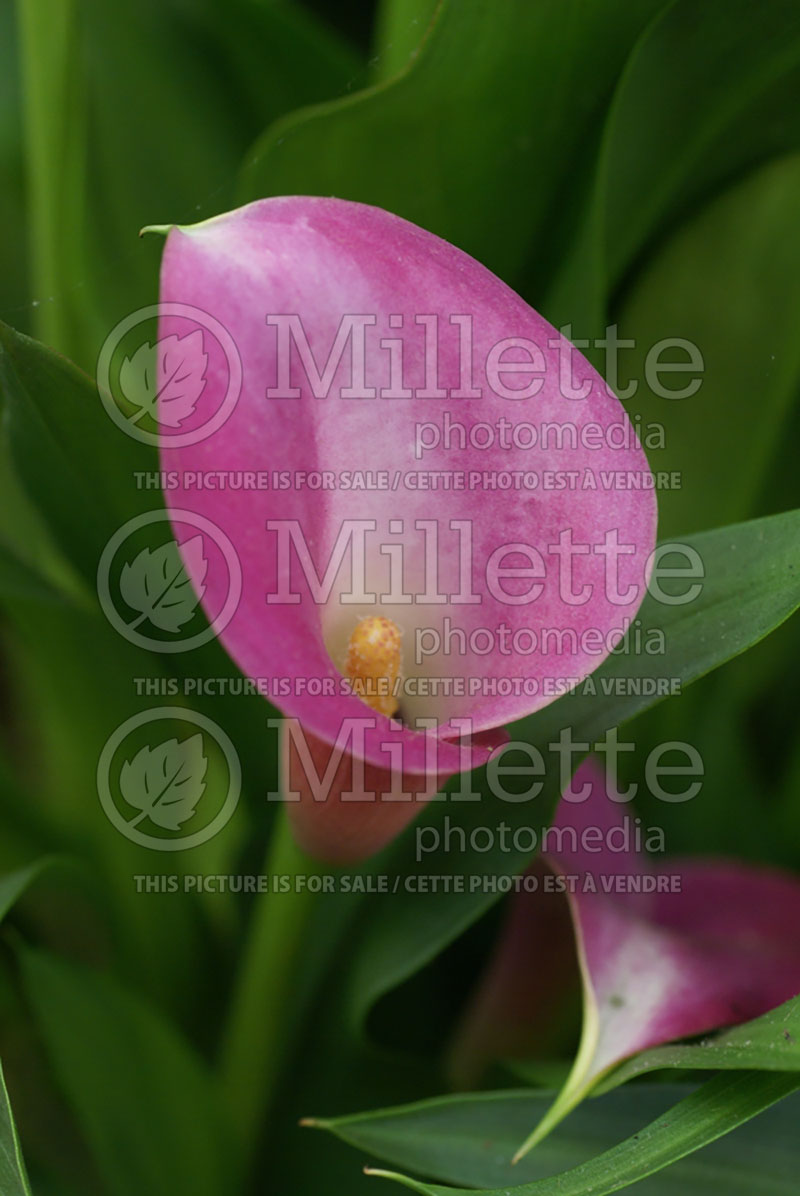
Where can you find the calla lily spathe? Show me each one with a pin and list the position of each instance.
(433, 324)
(667, 949)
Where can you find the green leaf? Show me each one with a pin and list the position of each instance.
(401, 26)
(279, 55)
(19, 580)
(768, 1043)
(79, 471)
(699, 287)
(13, 1177)
(708, 93)
(62, 652)
(145, 1102)
(765, 1162)
(14, 884)
(76, 465)
(76, 468)
(484, 166)
(32, 565)
(752, 584)
(27, 833)
(165, 151)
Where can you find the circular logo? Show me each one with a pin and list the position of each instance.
(149, 583)
(156, 784)
(151, 385)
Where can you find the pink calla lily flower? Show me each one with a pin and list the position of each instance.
(413, 422)
(666, 950)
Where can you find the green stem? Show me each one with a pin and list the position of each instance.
(54, 134)
(263, 1005)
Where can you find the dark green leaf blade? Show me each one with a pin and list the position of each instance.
(14, 884)
(701, 1118)
(707, 94)
(165, 151)
(751, 585)
(13, 1176)
(700, 287)
(443, 145)
(144, 1100)
(74, 463)
(470, 1139)
(400, 27)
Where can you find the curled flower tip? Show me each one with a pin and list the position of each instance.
(161, 229)
(374, 657)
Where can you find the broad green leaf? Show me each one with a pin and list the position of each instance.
(769, 1043)
(75, 464)
(14, 884)
(752, 584)
(13, 1176)
(750, 587)
(720, 1106)
(19, 580)
(471, 1139)
(491, 168)
(401, 27)
(144, 1100)
(279, 55)
(77, 468)
(699, 287)
(708, 92)
(166, 151)
(27, 545)
(731, 444)
(79, 688)
(79, 471)
(27, 833)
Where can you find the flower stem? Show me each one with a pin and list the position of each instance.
(264, 1004)
(54, 140)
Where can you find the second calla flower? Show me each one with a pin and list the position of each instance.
(443, 516)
